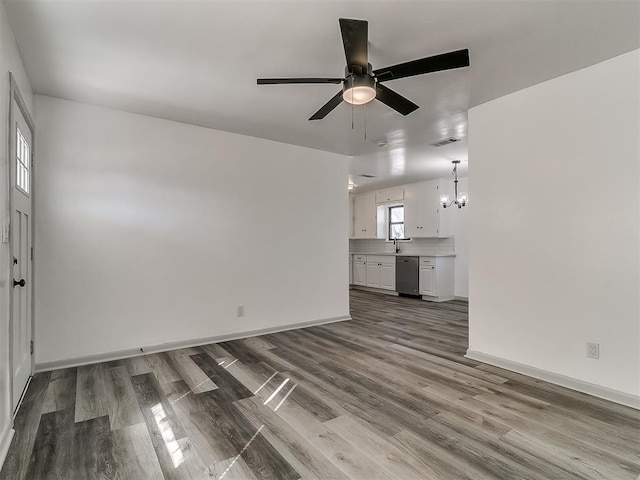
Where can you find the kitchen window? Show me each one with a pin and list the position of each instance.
(396, 223)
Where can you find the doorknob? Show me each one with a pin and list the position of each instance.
(20, 283)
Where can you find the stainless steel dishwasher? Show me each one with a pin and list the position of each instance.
(407, 275)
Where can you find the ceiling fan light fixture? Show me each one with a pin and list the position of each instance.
(359, 89)
(359, 95)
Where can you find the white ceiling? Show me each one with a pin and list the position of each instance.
(197, 62)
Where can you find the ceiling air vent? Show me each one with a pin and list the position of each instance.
(445, 141)
(366, 175)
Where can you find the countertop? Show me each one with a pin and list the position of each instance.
(403, 254)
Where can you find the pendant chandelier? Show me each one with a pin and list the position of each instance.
(460, 199)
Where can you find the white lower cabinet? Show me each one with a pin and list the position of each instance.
(436, 275)
(436, 278)
(381, 272)
(373, 274)
(427, 280)
(375, 271)
(388, 276)
(360, 270)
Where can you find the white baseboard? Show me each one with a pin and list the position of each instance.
(430, 298)
(616, 396)
(5, 443)
(164, 347)
(374, 290)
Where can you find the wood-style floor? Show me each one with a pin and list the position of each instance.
(387, 395)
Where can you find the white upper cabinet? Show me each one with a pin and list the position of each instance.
(365, 218)
(395, 194)
(351, 219)
(423, 214)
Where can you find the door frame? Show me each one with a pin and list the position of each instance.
(14, 94)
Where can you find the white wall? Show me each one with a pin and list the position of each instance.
(553, 240)
(10, 61)
(151, 231)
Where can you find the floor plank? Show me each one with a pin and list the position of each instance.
(91, 393)
(134, 454)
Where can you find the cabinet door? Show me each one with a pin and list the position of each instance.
(351, 217)
(412, 211)
(429, 200)
(388, 277)
(373, 275)
(389, 195)
(421, 209)
(360, 273)
(365, 216)
(427, 280)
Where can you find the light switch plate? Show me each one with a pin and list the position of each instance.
(5, 233)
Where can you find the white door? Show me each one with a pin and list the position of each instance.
(21, 241)
(427, 280)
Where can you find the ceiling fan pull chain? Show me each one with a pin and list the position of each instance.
(352, 103)
(365, 121)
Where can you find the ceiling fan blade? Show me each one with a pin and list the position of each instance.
(444, 61)
(355, 35)
(328, 107)
(395, 100)
(280, 81)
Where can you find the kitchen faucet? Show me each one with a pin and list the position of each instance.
(396, 242)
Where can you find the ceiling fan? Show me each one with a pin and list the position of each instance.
(361, 83)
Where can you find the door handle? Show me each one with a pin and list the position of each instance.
(20, 283)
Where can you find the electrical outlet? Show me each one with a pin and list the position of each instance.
(240, 311)
(593, 350)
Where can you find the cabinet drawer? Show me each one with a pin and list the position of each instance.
(359, 258)
(376, 259)
(388, 260)
(427, 260)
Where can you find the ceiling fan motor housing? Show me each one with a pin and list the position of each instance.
(359, 89)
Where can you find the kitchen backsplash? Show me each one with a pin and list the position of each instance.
(417, 246)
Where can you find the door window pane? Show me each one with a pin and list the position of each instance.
(23, 157)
